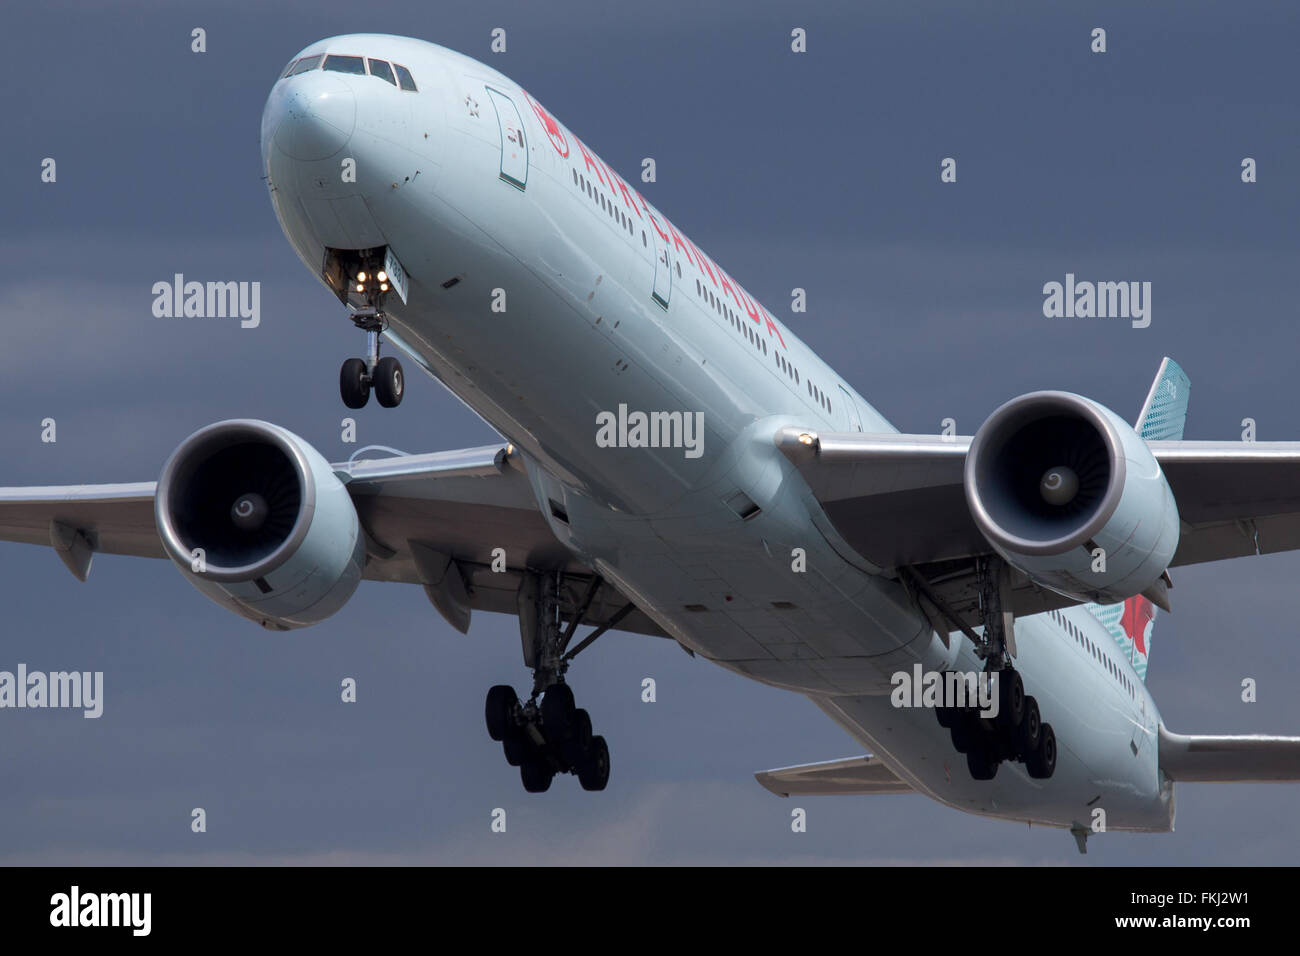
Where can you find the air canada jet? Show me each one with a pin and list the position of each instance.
(976, 612)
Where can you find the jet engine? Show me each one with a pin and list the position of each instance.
(257, 520)
(1067, 492)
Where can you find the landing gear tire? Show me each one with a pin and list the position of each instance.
(388, 381)
(593, 773)
(517, 748)
(354, 384)
(558, 710)
(1042, 762)
(981, 765)
(499, 711)
(1011, 701)
(577, 745)
(536, 776)
(1030, 728)
(964, 732)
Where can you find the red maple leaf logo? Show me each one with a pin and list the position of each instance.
(1138, 613)
(553, 131)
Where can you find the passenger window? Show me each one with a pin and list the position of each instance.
(307, 63)
(346, 64)
(405, 80)
(381, 69)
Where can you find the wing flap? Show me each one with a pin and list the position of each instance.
(850, 776)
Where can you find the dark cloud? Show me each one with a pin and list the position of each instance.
(819, 172)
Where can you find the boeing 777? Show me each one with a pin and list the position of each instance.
(976, 612)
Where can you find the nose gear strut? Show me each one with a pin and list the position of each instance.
(384, 375)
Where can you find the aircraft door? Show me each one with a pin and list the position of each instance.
(663, 269)
(850, 409)
(514, 146)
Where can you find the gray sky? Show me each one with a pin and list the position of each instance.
(819, 171)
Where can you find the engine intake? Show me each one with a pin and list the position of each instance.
(257, 520)
(1051, 477)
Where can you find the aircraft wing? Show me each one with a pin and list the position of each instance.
(899, 501)
(851, 776)
(417, 511)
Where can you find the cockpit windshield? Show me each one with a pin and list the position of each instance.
(305, 64)
(345, 64)
(393, 73)
(381, 69)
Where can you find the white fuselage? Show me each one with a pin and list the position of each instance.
(544, 291)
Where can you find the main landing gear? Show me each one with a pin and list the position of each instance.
(546, 739)
(383, 375)
(551, 735)
(1018, 731)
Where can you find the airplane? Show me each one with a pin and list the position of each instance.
(975, 611)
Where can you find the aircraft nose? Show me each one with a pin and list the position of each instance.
(319, 115)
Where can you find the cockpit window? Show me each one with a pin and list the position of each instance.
(407, 82)
(288, 69)
(381, 69)
(345, 64)
(306, 63)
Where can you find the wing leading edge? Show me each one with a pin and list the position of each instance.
(423, 515)
(898, 499)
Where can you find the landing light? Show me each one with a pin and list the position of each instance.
(361, 277)
(383, 276)
(360, 287)
(383, 286)
(806, 439)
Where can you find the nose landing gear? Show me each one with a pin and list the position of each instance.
(384, 375)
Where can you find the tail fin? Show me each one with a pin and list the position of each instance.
(1162, 418)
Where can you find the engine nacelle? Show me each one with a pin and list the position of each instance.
(257, 520)
(1051, 477)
